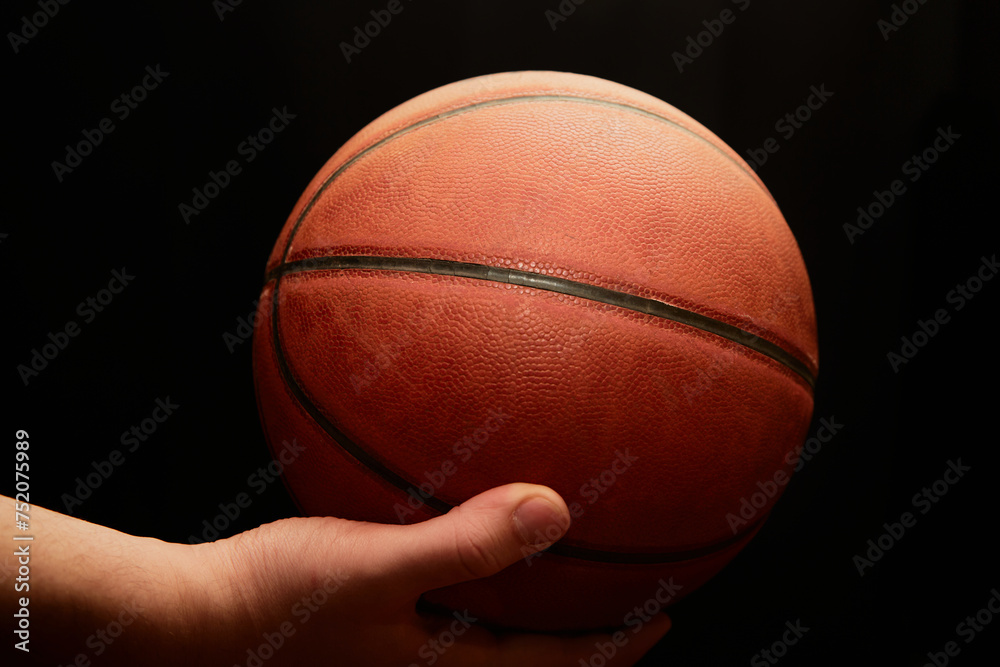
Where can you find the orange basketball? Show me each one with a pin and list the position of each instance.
(549, 278)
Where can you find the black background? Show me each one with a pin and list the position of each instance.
(163, 335)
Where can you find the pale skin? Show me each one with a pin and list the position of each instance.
(116, 599)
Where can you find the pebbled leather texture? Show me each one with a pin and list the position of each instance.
(462, 384)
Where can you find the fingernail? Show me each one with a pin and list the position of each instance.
(540, 522)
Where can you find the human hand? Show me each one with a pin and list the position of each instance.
(346, 592)
(297, 592)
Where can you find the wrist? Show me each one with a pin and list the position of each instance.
(217, 600)
(162, 596)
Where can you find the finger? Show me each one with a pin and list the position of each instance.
(476, 539)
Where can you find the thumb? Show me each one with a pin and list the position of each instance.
(480, 537)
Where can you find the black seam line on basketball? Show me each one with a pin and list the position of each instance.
(511, 100)
(553, 284)
(395, 479)
(348, 445)
(640, 558)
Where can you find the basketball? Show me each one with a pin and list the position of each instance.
(549, 278)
